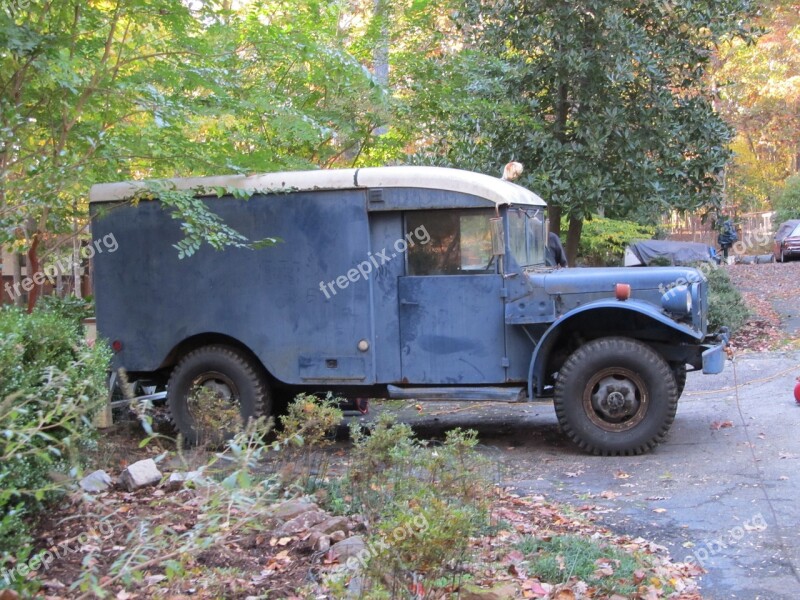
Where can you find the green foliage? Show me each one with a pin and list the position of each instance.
(759, 88)
(309, 424)
(52, 385)
(199, 224)
(555, 560)
(423, 504)
(310, 421)
(603, 241)
(146, 89)
(726, 306)
(71, 308)
(787, 204)
(215, 417)
(608, 104)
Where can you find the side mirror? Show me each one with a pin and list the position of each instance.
(498, 236)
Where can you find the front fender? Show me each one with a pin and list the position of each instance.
(548, 339)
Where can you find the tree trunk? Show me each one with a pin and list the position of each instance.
(560, 130)
(554, 215)
(33, 269)
(380, 55)
(573, 237)
(76, 259)
(16, 265)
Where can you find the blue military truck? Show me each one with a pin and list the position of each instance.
(402, 282)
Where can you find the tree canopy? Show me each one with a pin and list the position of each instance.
(103, 91)
(622, 108)
(608, 104)
(759, 90)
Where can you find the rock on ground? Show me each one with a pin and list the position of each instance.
(140, 474)
(99, 481)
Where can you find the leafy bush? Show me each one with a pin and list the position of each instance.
(725, 303)
(308, 425)
(52, 385)
(787, 204)
(603, 241)
(71, 308)
(422, 504)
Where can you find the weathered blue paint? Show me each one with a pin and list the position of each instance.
(506, 327)
(451, 329)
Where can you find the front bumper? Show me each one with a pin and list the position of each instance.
(713, 354)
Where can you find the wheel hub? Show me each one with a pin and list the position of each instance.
(615, 399)
(220, 388)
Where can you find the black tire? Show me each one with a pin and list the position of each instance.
(616, 396)
(679, 373)
(221, 368)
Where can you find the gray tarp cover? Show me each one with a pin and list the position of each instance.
(786, 229)
(679, 253)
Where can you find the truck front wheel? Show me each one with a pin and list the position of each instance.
(679, 372)
(616, 396)
(214, 391)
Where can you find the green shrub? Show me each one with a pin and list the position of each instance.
(309, 424)
(726, 306)
(52, 385)
(71, 308)
(787, 204)
(422, 504)
(603, 241)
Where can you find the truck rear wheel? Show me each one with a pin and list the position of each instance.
(214, 391)
(616, 396)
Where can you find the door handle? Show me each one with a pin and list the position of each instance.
(408, 303)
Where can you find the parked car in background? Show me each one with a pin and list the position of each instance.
(787, 240)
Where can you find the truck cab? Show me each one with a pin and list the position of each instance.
(404, 282)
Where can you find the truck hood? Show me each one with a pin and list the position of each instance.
(598, 280)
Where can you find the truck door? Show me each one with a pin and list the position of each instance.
(451, 300)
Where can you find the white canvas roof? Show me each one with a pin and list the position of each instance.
(491, 188)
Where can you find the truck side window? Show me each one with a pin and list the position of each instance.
(459, 242)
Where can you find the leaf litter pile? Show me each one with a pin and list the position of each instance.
(536, 549)
(761, 286)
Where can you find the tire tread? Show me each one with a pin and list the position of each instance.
(603, 346)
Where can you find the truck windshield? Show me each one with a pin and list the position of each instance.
(527, 235)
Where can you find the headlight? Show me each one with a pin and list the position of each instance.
(678, 300)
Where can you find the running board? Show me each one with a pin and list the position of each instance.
(482, 394)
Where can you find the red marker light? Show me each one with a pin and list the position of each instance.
(622, 291)
(116, 345)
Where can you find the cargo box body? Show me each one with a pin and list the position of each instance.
(331, 303)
